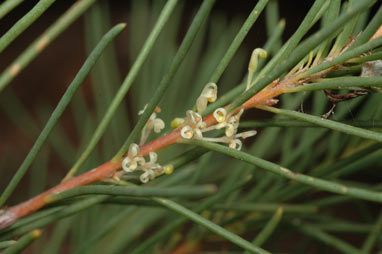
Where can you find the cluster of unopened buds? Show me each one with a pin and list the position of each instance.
(134, 161)
(195, 127)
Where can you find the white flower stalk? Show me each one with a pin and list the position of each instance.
(233, 141)
(209, 94)
(252, 66)
(153, 123)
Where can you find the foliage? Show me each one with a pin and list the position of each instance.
(311, 174)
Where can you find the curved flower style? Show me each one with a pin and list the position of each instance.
(209, 94)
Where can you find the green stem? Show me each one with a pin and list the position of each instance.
(36, 47)
(58, 213)
(210, 226)
(8, 6)
(349, 54)
(146, 49)
(373, 235)
(272, 17)
(367, 58)
(255, 13)
(277, 169)
(291, 44)
(199, 19)
(328, 239)
(302, 124)
(268, 46)
(24, 23)
(266, 232)
(23, 242)
(339, 83)
(300, 52)
(142, 248)
(6, 244)
(181, 191)
(61, 106)
(266, 207)
(370, 29)
(348, 129)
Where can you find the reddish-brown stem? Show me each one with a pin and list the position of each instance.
(108, 169)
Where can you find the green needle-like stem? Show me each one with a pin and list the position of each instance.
(61, 106)
(330, 186)
(24, 23)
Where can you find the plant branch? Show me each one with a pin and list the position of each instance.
(273, 89)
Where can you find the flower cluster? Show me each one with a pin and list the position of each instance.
(195, 127)
(134, 161)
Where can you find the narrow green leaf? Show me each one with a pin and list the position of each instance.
(328, 239)
(181, 191)
(23, 242)
(210, 226)
(255, 13)
(221, 194)
(24, 23)
(370, 29)
(57, 237)
(266, 207)
(277, 169)
(6, 244)
(36, 47)
(271, 20)
(291, 44)
(63, 103)
(302, 124)
(300, 52)
(8, 6)
(266, 232)
(199, 19)
(105, 77)
(268, 46)
(344, 57)
(340, 83)
(348, 129)
(371, 239)
(146, 49)
(53, 216)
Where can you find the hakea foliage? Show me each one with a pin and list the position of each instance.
(307, 65)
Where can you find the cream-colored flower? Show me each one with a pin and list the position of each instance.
(209, 94)
(220, 115)
(227, 121)
(195, 127)
(235, 144)
(132, 160)
(252, 66)
(153, 123)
